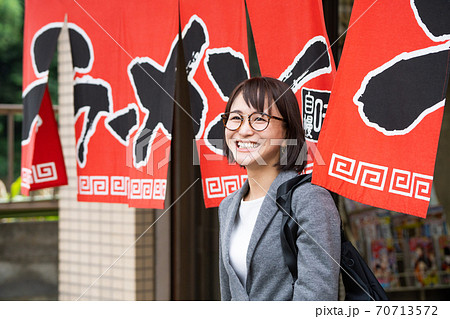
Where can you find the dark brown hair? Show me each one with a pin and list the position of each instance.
(256, 91)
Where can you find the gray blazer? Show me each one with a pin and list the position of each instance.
(268, 277)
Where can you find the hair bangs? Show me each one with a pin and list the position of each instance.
(256, 95)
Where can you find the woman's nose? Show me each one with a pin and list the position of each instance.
(245, 128)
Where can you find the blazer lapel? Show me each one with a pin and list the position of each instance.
(230, 218)
(228, 224)
(267, 213)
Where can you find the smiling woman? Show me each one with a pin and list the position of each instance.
(273, 117)
(264, 134)
(251, 142)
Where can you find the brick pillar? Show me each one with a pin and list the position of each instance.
(98, 256)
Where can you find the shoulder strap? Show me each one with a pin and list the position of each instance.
(289, 226)
(285, 190)
(357, 273)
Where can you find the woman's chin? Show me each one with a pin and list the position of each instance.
(255, 159)
(247, 159)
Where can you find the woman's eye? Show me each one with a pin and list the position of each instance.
(235, 118)
(260, 119)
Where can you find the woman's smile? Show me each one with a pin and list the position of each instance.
(247, 146)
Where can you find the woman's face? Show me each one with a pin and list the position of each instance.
(251, 148)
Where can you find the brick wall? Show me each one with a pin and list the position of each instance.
(99, 258)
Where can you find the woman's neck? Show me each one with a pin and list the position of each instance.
(259, 181)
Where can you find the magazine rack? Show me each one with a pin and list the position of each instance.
(409, 255)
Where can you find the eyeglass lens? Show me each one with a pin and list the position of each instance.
(258, 121)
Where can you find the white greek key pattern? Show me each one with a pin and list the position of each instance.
(99, 185)
(401, 182)
(422, 186)
(40, 173)
(243, 179)
(93, 185)
(343, 168)
(136, 189)
(122, 186)
(222, 186)
(147, 187)
(84, 185)
(214, 187)
(374, 176)
(45, 172)
(27, 178)
(230, 184)
(159, 191)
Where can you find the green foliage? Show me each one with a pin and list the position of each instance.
(11, 30)
(15, 187)
(4, 146)
(11, 46)
(11, 17)
(15, 217)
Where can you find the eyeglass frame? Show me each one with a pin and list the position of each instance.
(225, 116)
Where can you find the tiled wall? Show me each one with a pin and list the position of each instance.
(99, 258)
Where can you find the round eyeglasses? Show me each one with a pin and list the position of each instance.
(258, 121)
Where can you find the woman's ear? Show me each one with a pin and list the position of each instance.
(284, 143)
(285, 133)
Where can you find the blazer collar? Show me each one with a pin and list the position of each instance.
(267, 212)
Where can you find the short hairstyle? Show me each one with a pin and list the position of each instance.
(256, 91)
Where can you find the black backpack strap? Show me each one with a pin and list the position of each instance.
(289, 226)
(359, 280)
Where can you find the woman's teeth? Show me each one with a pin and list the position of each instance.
(247, 145)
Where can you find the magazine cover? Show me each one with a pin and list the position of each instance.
(354, 206)
(434, 225)
(444, 251)
(384, 263)
(364, 228)
(423, 261)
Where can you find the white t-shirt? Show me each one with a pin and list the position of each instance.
(240, 236)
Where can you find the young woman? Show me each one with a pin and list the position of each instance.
(263, 133)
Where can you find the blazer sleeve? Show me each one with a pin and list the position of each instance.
(225, 293)
(318, 242)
